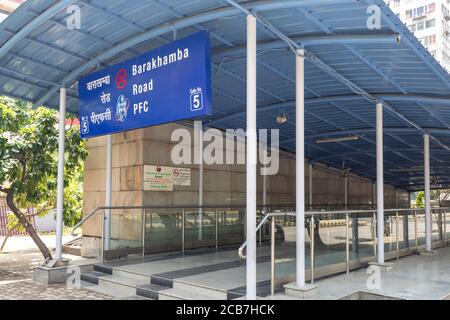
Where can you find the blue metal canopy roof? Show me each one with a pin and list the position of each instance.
(348, 68)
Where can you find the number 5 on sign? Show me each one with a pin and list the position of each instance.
(196, 99)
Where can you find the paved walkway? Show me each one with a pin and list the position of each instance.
(25, 243)
(30, 290)
(16, 284)
(413, 277)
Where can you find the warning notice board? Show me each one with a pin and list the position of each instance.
(160, 178)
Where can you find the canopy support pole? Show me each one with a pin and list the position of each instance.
(310, 186)
(251, 159)
(60, 185)
(300, 288)
(108, 188)
(426, 153)
(300, 167)
(380, 184)
(198, 127)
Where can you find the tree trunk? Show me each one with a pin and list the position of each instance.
(28, 226)
(2, 246)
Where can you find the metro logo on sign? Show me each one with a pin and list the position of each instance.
(121, 79)
(168, 84)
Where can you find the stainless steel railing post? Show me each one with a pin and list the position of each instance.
(445, 228)
(102, 246)
(183, 231)
(311, 253)
(415, 230)
(217, 229)
(347, 244)
(272, 256)
(374, 230)
(396, 235)
(144, 229)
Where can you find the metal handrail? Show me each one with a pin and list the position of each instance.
(312, 213)
(347, 213)
(91, 213)
(266, 217)
(85, 218)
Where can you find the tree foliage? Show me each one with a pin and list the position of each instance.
(420, 200)
(29, 161)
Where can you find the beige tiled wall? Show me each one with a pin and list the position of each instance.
(223, 184)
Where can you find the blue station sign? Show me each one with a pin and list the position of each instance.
(167, 84)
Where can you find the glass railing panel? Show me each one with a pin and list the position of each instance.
(446, 224)
(364, 224)
(200, 228)
(420, 228)
(412, 229)
(231, 226)
(285, 235)
(389, 232)
(403, 229)
(126, 234)
(437, 232)
(93, 229)
(163, 231)
(330, 240)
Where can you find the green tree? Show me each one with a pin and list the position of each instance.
(420, 199)
(29, 160)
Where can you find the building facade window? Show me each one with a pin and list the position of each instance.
(420, 11)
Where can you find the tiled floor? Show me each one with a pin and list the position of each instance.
(30, 290)
(413, 277)
(16, 284)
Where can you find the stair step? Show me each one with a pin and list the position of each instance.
(150, 291)
(178, 294)
(92, 276)
(103, 268)
(200, 289)
(136, 298)
(142, 278)
(125, 284)
(113, 292)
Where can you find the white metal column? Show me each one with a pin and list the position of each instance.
(251, 158)
(108, 187)
(374, 193)
(380, 185)
(426, 156)
(198, 127)
(310, 186)
(264, 183)
(300, 167)
(346, 190)
(60, 186)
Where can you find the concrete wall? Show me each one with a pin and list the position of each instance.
(223, 184)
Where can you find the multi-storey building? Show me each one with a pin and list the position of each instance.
(8, 6)
(429, 20)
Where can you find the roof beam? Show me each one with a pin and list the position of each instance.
(313, 40)
(179, 24)
(402, 130)
(343, 154)
(393, 22)
(444, 100)
(309, 15)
